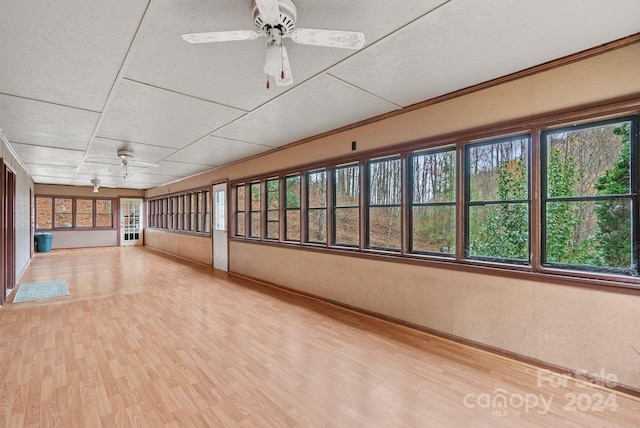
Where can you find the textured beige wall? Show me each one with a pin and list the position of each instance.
(83, 238)
(196, 248)
(574, 327)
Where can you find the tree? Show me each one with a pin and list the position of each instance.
(614, 219)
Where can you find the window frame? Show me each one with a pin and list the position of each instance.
(368, 205)
(336, 207)
(531, 127)
(186, 212)
(309, 209)
(632, 196)
(74, 226)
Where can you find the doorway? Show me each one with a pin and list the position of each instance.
(130, 222)
(220, 243)
(8, 231)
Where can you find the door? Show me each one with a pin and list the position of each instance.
(8, 233)
(220, 244)
(130, 222)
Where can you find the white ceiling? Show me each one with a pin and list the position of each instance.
(80, 79)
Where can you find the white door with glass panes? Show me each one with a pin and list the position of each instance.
(130, 222)
(220, 245)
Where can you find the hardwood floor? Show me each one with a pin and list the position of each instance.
(145, 339)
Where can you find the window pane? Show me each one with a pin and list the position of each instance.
(385, 179)
(347, 186)
(347, 228)
(317, 201)
(220, 211)
(44, 208)
(255, 210)
(293, 191)
(84, 213)
(498, 171)
(385, 182)
(384, 227)
(499, 231)
(273, 213)
(192, 212)
(240, 208)
(434, 177)
(317, 224)
(63, 215)
(240, 225)
(292, 216)
(434, 229)
(293, 225)
(589, 162)
(590, 233)
(104, 216)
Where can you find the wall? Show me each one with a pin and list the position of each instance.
(24, 184)
(196, 248)
(574, 327)
(86, 238)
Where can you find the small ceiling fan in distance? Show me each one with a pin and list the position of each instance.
(276, 20)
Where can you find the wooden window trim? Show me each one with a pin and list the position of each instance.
(73, 209)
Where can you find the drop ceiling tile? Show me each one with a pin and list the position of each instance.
(433, 56)
(104, 150)
(153, 179)
(178, 168)
(320, 105)
(51, 180)
(215, 151)
(51, 171)
(47, 155)
(105, 181)
(231, 73)
(150, 115)
(38, 123)
(105, 169)
(65, 51)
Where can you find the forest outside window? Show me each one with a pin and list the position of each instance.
(273, 209)
(589, 193)
(497, 196)
(433, 202)
(317, 206)
(73, 213)
(384, 178)
(292, 208)
(584, 224)
(241, 204)
(346, 211)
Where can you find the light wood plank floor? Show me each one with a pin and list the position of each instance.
(145, 339)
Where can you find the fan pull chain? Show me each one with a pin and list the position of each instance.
(267, 81)
(282, 62)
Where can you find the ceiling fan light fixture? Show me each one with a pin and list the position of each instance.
(273, 64)
(96, 185)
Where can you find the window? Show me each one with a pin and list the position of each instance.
(497, 195)
(104, 213)
(44, 213)
(292, 208)
(384, 177)
(206, 210)
(471, 203)
(587, 193)
(84, 213)
(63, 213)
(254, 214)
(433, 202)
(346, 210)
(200, 216)
(240, 210)
(192, 211)
(68, 213)
(317, 206)
(273, 209)
(219, 216)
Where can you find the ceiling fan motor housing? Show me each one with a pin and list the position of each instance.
(286, 22)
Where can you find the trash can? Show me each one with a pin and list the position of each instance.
(43, 242)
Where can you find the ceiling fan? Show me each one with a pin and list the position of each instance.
(276, 20)
(126, 159)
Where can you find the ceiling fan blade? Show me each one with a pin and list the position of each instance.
(286, 70)
(328, 38)
(220, 36)
(135, 163)
(269, 10)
